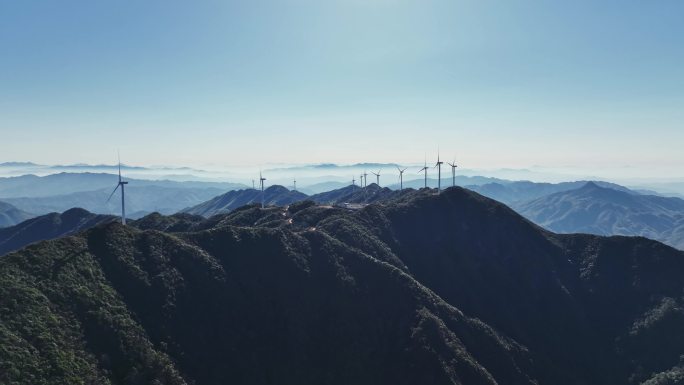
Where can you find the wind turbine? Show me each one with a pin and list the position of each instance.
(401, 178)
(295, 184)
(365, 178)
(453, 172)
(361, 180)
(425, 170)
(439, 173)
(353, 181)
(123, 201)
(261, 182)
(377, 177)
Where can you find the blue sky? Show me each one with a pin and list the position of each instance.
(559, 84)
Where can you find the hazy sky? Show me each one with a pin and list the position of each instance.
(574, 84)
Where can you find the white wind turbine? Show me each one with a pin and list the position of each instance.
(401, 178)
(425, 170)
(121, 184)
(377, 177)
(453, 172)
(261, 182)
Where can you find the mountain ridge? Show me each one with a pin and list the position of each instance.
(604, 211)
(432, 288)
(224, 203)
(49, 226)
(11, 215)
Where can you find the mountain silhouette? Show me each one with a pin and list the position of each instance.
(48, 226)
(518, 192)
(10, 215)
(355, 194)
(273, 195)
(442, 289)
(172, 223)
(605, 211)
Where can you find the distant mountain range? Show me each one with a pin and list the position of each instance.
(29, 195)
(418, 183)
(59, 192)
(423, 289)
(607, 211)
(333, 166)
(48, 226)
(317, 188)
(29, 167)
(517, 192)
(10, 215)
(32, 186)
(140, 200)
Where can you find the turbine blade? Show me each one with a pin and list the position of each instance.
(112, 194)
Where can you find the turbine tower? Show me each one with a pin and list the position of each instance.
(295, 184)
(261, 182)
(401, 178)
(425, 170)
(377, 177)
(365, 178)
(453, 172)
(123, 201)
(439, 173)
(361, 180)
(353, 181)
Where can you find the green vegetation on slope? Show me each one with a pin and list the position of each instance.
(448, 289)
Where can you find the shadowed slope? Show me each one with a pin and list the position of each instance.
(48, 226)
(441, 289)
(243, 305)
